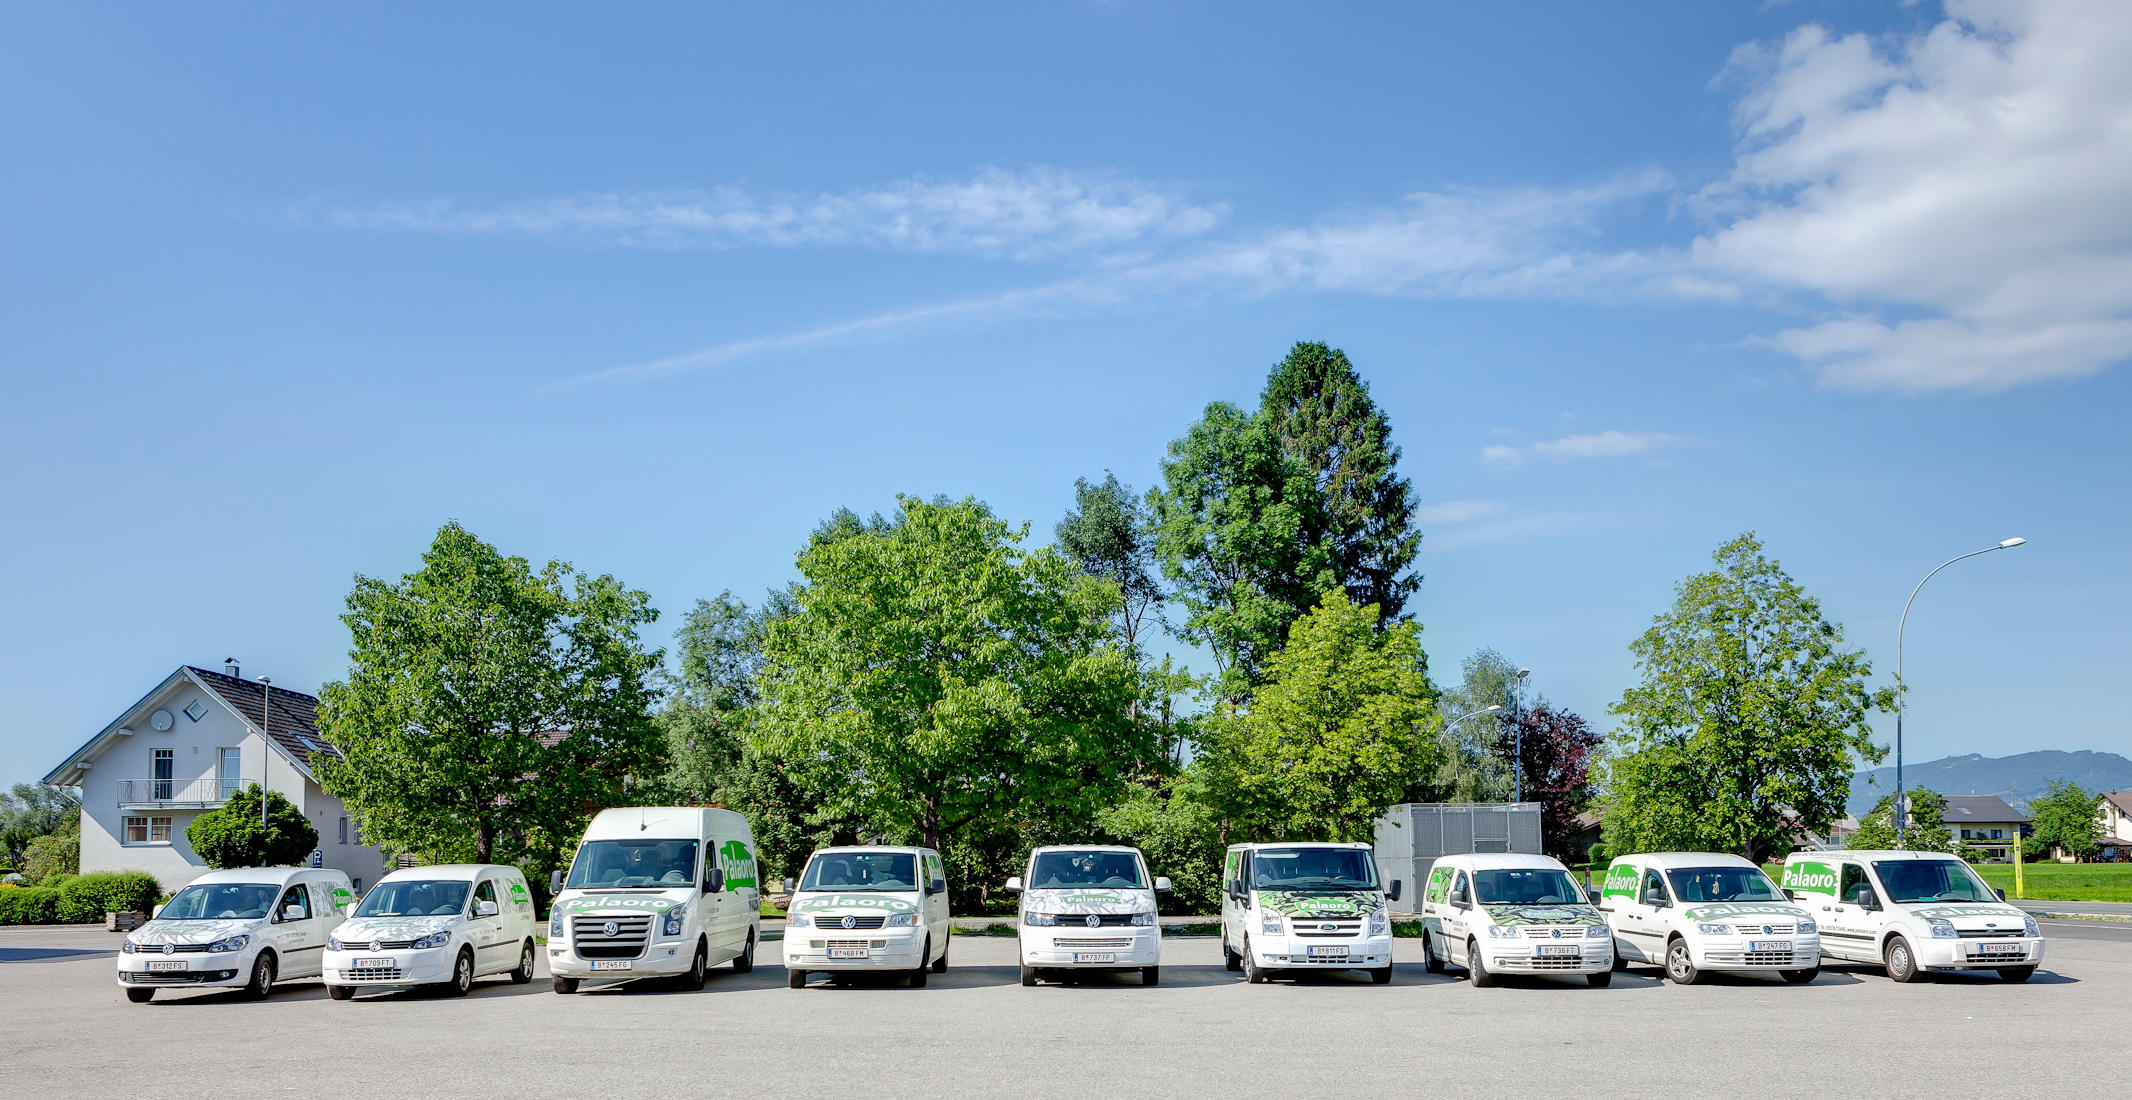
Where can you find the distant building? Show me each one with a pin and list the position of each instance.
(2116, 813)
(1985, 822)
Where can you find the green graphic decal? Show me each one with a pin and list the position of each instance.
(519, 897)
(738, 864)
(1439, 884)
(1620, 881)
(656, 905)
(857, 901)
(1544, 914)
(1814, 878)
(1743, 909)
(342, 899)
(1088, 899)
(1944, 911)
(1351, 904)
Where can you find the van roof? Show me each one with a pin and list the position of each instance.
(1878, 854)
(1085, 848)
(276, 875)
(1260, 846)
(1673, 861)
(873, 848)
(1502, 861)
(659, 822)
(450, 871)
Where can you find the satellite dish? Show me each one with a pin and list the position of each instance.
(161, 720)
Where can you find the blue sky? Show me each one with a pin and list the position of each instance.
(288, 288)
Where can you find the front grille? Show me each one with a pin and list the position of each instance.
(1103, 920)
(874, 921)
(1983, 933)
(846, 944)
(376, 945)
(177, 977)
(1544, 962)
(588, 935)
(175, 949)
(1753, 958)
(1090, 944)
(372, 974)
(1547, 931)
(1345, 929)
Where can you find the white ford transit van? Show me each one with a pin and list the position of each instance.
(1305, 906)
(1497, 914)
(876, 908)
(656, 890)
(1691, 912)
(442, 926)
(248, 928)
(1912, 912)
(1089, 907)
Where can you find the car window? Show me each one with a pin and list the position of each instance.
(1459, 892)
(1856, 890)
(1654, 889)
(486, 891)
(295, 896)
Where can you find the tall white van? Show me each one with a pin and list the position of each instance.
(1497, 914)
(1912, 912)
(440, 926)
(656, 890)
(877, 908)
(249, 928)
(1089, 907)
(1692, 912)
(1305, 906)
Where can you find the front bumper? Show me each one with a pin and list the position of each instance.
(228, 968)
(886, 948)
(1063, 946)
(661, 957)
(1524, 957)
(404, 967)
(1973, 954)
(1363, 952)
(1731, 952)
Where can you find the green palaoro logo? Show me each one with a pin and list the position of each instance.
(1620, 881)
(1815, 878)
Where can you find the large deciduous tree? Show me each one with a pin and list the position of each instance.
(1107, 533)
(2068, 818)
(490, 706)
(234, 834)
(1924, 831)
(1558, 751)
(1749, 718)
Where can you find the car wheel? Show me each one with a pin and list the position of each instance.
(565, 985)
(1680, 965)
(1230, 960)
(1253, 972)
(795, 979)
(940, 965)
(1477, 967)
(1600, 980)
(462, 979)
(140, 996)
(1029, 975)
(918, 975)
(262, 982)
(524, 973)
(699, 968)
(1429, 961)
(1801, 977)
(1621, 961)
(340, 992)
(1900, 960)
(1150, 975)
(1382, 975)
(2010, 973)
(744, 963)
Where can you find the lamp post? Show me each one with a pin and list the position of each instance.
(1517, 751)
(266, 758)
(1901, 807)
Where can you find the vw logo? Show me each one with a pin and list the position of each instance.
(376, 946)
(170, 949)
(1094, 920)
(1328, 928)
(850, 921)
(1768, 931)
(1557, 933)
(612, 928)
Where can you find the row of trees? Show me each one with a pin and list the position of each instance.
(2064, 820)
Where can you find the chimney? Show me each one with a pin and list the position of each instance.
(231, 668)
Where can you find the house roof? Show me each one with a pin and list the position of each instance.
(2120, 799)
(291, 719)
(1963, 809)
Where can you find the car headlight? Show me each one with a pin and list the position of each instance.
(434, 939)
(1714, 929)
(1381, 923)
(1144, 920)
(1041, 920)
(798, 920)
(902, 920)
(1598, 932)
(2028, 927)
(1942, 929)
(1808, 928)
(675, 917)
(1270, 924)
(333, 943)
(234, 943)
(1503, 932)
(127, 946)
(555, 925)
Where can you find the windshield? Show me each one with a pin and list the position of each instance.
(1910, 881)
(633, 865)
(1722, 884)
(1313, 869)
(861, 871)
(414, 898)
(1526, 886)
(220, 901)
(1085, 870)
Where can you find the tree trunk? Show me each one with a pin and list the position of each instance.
(485, 842)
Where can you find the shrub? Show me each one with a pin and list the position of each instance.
(55, 881)
(55, 854)
(86, 898)
(29, 905)
(233, 836)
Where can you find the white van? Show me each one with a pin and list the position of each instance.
(1912, 912)
(248, 928)
(656, 890)
(875, 908)
(442, 926)
(1692, 912)
(1497, 914)
(1089, 907)
(1307, 906)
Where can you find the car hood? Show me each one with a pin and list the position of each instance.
(1078, 901)
(394, 928)
(595, 902)
(1973, 915)
(195, 931)
(1745, 913)
(831, 902)
(1308, 904)
(1544, 914)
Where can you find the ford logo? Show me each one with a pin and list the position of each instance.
(170, 949)
(1095, 920)
(612, 928)
(850, 921)
(376, 946)
(1991, 924)
(1557, 933)
(1328, 928)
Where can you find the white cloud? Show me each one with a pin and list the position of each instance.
(1962, 192)
(1611, 443)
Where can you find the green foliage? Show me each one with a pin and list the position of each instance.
(1924, 829)
(232, 836)
(86, 898)
(2064, 881)
(29, 905)
(1748, 720)
(1178, 832)
(52, 854)
(1472, 770)
(1344, 724)
(32, 810)
(2067, 818)
(1107, 533)
(490, 707)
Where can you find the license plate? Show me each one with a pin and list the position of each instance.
(175, 964)
(610, 964)
(1558, 949)
(1319, 951)
(373, 964)
(1095, 956)
(847, 952)
(1768, 945)
(2003, 948)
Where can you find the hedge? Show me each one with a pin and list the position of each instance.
(86, 898)
(29, 905)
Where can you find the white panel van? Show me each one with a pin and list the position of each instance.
(1497, 914)
(248, 928)
(440, 926)
(656, 890)
(871, 908)
(1088, 907)
(1305, 906)
(1912, 912)
(1692, 912)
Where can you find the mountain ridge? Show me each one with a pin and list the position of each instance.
(2015, 778)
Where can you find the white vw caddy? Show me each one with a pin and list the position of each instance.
(656, 890)
(1692, 912)
(245, 928)
(1089, 907)
(872, 908)
(442, 926)
(1305, 905)
(1497, 914)
(1912, 912)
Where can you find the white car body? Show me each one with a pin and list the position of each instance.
(1864, 921)
(484, 919)
(1548, 934)
(1267, 928)
(287, 937)
(656, 891)
(850, 928)
(1070, 924)
(1658, 907)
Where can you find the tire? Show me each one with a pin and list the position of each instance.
(1029, 976)
(1477, 967)
(262, 983)
(699, 969)
(940, 965)
(795, 979)
(565, 985)
(924, 967)
(524, 973)
(1382, 975)
(1900, 960)
(462, 979)
(1429, 961)
(341, 992)
(1621, 961)
(744, 963)
(1680, 963)
(2010, 973)
(1230, 960)
(1253, 972)
(1600, 980)
(143, 996)
(1801, 977)
(1150, 975)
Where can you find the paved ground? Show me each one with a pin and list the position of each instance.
(2102, 908)
(65, 1030)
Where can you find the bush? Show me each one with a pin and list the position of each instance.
(29, 905)
(55, 881)
(54, 854)
(233, 836)
(86, 898)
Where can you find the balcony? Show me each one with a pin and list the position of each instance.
(174, 794)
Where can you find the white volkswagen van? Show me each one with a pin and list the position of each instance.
(442, 926)
(1912, 912)
(875, 908)
(1496, 914)
(1692, 912)
(1089, 907)
(248, 928)
(656, 890)
(1307, 906)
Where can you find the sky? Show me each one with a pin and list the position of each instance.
(654, 291)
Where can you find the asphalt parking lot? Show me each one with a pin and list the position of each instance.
(68, 1031)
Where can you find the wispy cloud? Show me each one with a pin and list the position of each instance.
(1611, 443)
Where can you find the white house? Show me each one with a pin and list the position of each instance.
(181, 751)
(2116, 813)
(1987, 822)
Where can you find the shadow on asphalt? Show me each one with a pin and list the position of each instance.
(1829, 976)
(37, 954)
(1865, 972)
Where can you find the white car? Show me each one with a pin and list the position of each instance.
(244, 928)
(656, 890)
(873, 908)
(1089, 907)
(1694, 912)
(1912, 912)
(1305, 906)
(1496, 914)
(440, 926)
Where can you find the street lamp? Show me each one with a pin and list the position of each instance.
(1470, 714)
(1902, 809)
(1517, 751)
(266, 757)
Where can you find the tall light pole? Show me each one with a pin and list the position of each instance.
(1901, 807)
(266, 753)
(1517, 751)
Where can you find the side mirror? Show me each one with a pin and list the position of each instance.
(1393, 893)
(1591, 894)
(1791, 895)
(484, 908)
(1659, 903)
(1014, 885)
(555, 882)
(1869, 903)
(937, 886)
(714, 880)
(293, 912)
(1162, 885)
(790, 883)
(2001, 893)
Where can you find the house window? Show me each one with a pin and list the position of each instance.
(229, 769)
(344, 830)
(1998, 834)
(165, 765)
(357, 829)
(147, 830)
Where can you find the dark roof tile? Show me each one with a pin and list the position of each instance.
(291, 719)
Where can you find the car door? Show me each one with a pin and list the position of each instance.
(937, 901)
(484, 928)
(299, 947)
(1458, 916)
(1850, 929)
(1646, 917)
(1232, 921)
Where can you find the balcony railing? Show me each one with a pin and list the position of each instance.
(176, 792)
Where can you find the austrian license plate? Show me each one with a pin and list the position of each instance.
(173, 964)
(2003, 948)
(610, 964)
(1768, 945)
(1095, 956)
(1327, 951)
(1558, 949)
(373, 964)
(847, 952)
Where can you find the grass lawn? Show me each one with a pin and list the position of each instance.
(2064, 881)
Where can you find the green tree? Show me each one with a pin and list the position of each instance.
(1925, 828)
(1748, 720)
(1473, 769)
(233, 836)
(32, 810)
(1343, 725)
(2067, 818)
(1178, 830)
(490, 707)
(53, 854)
(1107, 534)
